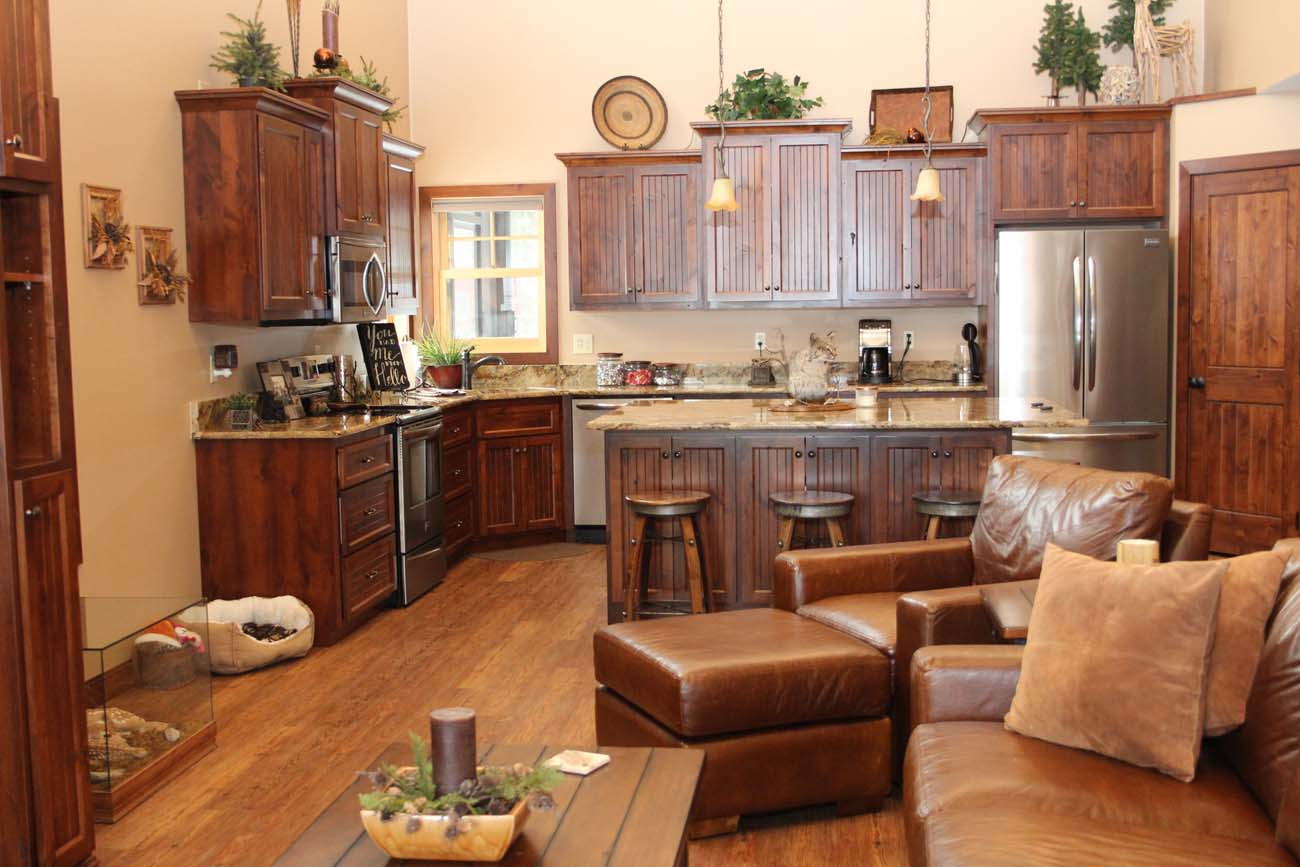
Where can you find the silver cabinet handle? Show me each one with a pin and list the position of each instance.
(1078, 322)
(1092, 323)
(1081, 436)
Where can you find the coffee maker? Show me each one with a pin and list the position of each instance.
(875, 352)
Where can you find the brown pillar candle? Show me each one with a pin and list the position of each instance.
(329, 28)
(452, 747)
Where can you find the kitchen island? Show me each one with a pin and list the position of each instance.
(741, 451)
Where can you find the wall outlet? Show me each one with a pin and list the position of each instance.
(760, 339)
(583, 344)
(909, 337)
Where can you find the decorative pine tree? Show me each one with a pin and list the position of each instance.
(249, 55)
(1053, 42)
(1082, 66)
(1118, 31)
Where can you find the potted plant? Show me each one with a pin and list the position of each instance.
(762, 95)
(240, 413)
(248, 55)
(441, 357)
(407, 818)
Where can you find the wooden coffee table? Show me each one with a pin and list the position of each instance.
(632, 811)
(1008, 606)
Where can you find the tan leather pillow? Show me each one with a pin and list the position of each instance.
(1117, 657)
(1250, 588)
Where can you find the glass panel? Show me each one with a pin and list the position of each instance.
(516, 222)
(518, 253)
(470, 254)
(468, 224)
(494, 306)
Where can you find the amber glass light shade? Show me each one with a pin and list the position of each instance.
(724, 195)
(927, 186)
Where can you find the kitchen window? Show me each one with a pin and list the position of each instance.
(490, 268)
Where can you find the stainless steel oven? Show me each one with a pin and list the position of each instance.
(422, 562)
(358, 279)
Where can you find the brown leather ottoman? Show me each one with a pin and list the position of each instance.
(789, 712)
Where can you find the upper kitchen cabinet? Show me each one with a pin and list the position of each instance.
(1097, 162)
(255, 215)
(897, 251)
(26, 104)
(633, 229)
(781, 247)
(399, 170)
(354, 146)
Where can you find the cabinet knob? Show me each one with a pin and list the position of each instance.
(371, 512)
(33, 512)
(812, 453)
(1196, 382)
(640, 290)
(458, 524)
(368, 459)
(798, 453)
(372, 574)
(934, 453)
(776, 288)
(947, 453)
(628, 290)
(664, 455)
(677, 454)
(1074, 204)
(15, 142)
(456, 472)
(1083, 204)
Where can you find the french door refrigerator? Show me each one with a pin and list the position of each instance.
(1083, 324)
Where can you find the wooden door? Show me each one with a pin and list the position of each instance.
(498, 501)
(665, 234)
(27, 139)
(946, 263)
(902, 465)
(15, 771)
(46, 521)
(539, 485)
(401, 235)
(878, 243)
(290, 219)
(841, 462)
(1034, 171)
(805, 219)
(1239, 449)
(1122, 169)
(965, 466)
(765, 464)
(371, 168)
(599, 231)
(633, 462)
(738, 243)
(705, 462)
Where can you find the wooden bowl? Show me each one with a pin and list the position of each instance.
(487, 839)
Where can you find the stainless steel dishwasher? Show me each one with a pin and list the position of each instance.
(588, 462)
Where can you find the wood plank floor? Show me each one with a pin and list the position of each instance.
(512, 641)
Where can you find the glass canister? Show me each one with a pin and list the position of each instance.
(609, 369)
(637, 373)
(667, 373)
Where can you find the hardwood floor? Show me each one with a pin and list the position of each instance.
(511, 640)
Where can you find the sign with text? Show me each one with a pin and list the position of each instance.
(382, 354)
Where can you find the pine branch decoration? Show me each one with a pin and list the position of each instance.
(249, 55)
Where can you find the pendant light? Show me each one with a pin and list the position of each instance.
(927, 182)
(723, 197)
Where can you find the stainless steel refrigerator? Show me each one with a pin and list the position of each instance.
(1083, 323)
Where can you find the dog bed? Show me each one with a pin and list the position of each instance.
(231, 651)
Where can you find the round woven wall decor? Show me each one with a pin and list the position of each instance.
(629, 113)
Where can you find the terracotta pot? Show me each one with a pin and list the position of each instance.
(445, 375)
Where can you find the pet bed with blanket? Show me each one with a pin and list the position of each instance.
(232, 651)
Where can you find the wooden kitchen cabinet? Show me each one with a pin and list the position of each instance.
(459, 464)
(520, 471)
(399, 163)
(898, 251)
(255, 206)
(354, 153)
(1096, 162)
(28, 142)
(909, 463)
(633, 230)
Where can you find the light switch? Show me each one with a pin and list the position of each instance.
(583, 344)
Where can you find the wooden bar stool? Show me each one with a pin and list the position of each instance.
(945, 504)
(825, 506)
(678, 506)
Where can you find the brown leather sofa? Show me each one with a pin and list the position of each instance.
(975, 793)
(902, 596)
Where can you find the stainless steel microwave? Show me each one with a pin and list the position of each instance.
(358, 278)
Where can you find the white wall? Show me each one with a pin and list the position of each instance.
(1250, 43)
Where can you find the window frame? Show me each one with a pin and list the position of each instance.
(432, 257)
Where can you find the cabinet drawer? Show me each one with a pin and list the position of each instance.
(460, 522)
(457, 427)
(518, 418)
(365, 460)
(367, 512)
(369, 577)
(457, 471)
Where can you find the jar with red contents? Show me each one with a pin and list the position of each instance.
(637, 373)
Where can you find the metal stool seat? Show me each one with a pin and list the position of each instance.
(678, 506)
(941, 504)
(825, 506)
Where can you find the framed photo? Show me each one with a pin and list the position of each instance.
(160, 280)
(105, 234)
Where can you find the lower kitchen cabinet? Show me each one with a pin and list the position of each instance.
(907, 464)
(520, 472)
(312, 518)
(458, 461)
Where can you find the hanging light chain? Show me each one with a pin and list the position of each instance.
(722, 109)
(926, 99)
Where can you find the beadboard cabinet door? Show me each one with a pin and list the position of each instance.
(805, 201)
(1035, 171)
(738, 249)
(665, 234)
(1122, 169)
(947, 252)
(879, 226)
(600, 229)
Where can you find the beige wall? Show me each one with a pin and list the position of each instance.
(136, 368)
(1250, 43)
(499, 114)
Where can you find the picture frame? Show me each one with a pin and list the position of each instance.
(105, 234)
(159, 280)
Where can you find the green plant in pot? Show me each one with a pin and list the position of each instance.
(249, 55)
(762, 95)
(440, 355)
(241, 411)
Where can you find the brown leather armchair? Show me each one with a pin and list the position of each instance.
(902, 596)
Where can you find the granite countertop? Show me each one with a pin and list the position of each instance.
(321, 427)
(899, 413)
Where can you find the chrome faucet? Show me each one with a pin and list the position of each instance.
(468, 367)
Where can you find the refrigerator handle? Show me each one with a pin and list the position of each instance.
(1078, 321)
(1092, 323)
